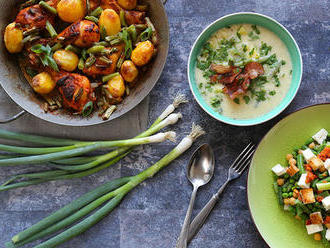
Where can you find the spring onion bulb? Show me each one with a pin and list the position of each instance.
(86, 148)
(81, 207)
(323, 186)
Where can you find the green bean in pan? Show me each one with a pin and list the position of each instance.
(47, 7)
(96, 49)
(92, 18)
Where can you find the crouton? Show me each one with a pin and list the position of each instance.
(307, 196)
(316, 163)
(316, 218)
(292, 170)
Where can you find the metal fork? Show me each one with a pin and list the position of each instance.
(235, 171)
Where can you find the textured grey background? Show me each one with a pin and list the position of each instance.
(151, 215)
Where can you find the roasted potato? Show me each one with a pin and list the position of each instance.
(129, 71)
(43, 83)
(82, 34)
(71, 10)
(127, 4)
(13, 38)
(143, 53)
(66, 60)
(116, 86)
(110, 20)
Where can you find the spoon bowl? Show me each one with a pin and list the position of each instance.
(199, 172)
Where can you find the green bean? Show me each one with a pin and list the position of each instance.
(304, 147)
(101, 43)
(132, 31)
(56, 47)
(72, 48)
(310, 140)
(320, 148)
(111, 37)
(69, 209)
(90, 61)
(115, 41)
(300, 163)
(92, 18)
(120, 60)
(96, 12)
(110, 76)
(122, 18)
(303, 207)
(36, 139)
(105, 60)
(47, 7)
(51, 30)
(81, 64)
(292, 210)
(96, 49)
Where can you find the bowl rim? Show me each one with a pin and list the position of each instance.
(253, 158)
(204, 31)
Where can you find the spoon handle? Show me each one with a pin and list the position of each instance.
(200, 219)
(182, 240)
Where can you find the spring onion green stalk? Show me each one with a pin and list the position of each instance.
(113, 197)
(70, 208)
(5, 134)
(46, 176)
(300, 163)
(81, 64)
(122, 18)
(90, 61)
(51, 29)
(106, 78)
(47, 7)
(323, 186)
(170, 120)
(88, 147)
(56, 47)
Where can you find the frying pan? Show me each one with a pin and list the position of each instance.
(16, 86)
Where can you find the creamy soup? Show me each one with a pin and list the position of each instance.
(243, 71)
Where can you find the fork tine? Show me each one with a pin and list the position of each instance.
(245, 166)
(241, 154)
(242, 158)
(238, 168)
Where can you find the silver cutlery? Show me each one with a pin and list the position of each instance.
(236, 169)
(199, 172)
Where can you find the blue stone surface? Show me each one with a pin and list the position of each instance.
(151, 215)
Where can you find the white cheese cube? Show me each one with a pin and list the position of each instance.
(278, 170)
(302, 181)
(320, 136)
(327, 164)
(327, 234)
(308, 154)
(326, 203)
(314, 228)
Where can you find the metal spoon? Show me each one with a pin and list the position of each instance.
(199, 172)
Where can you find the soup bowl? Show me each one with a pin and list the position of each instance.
(263, 21)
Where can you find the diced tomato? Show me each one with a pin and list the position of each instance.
(319, 191)
(310, 177)
(308, 167)
(308, 222)
(325, 153)
(327, 220)
(319, 198)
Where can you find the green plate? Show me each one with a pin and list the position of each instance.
(279, 228)
(260, 20)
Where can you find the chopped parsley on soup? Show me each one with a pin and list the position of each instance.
(243, 71)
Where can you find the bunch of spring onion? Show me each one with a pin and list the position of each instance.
(110, 194)
(65, 157)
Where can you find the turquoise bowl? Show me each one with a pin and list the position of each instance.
(260, 20)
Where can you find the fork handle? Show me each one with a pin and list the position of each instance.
(200, 219)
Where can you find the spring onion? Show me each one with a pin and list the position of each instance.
(72, 48)
(122, 18)
(323, 186)
(96, 12)
(84, 205)
(92, 18)
(110, 76)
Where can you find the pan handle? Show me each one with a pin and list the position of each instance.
(13, 117)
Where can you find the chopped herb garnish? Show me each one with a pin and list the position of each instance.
(238, 35)
(265, 49)
(283, 62)
(236, 100)
(251, 52)
(261, 95)
(200, 85)
(253, 36)
(271, 60)
(277, 81)
(45, 55)
(246, 99)
(255, 29)
(244, 48)
(290, 72)
(215, 103)
(272, 93)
